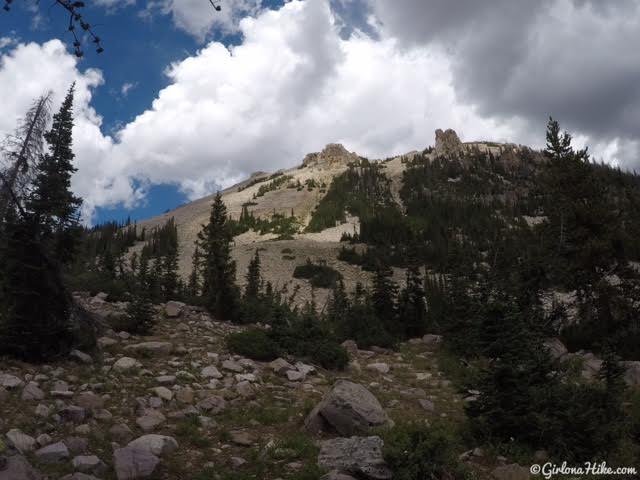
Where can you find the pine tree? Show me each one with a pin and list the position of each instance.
(170, 279)
(38, 240)
(412, 311)
(219, 290)
(193, 283)
(253, 278)
(384, 296)
(53, 205)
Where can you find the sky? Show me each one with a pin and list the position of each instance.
(186, 100)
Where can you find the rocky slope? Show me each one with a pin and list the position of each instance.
(177, 405)
(279, 258)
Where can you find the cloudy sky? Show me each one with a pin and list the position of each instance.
(185, 99)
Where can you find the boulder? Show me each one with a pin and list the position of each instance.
(131, 463)
(163, 348)
(32, 391)
(281, 366)
(150, 420)
(357, 456)
(126, 364)
(380, 367)
(10, 382)
(90, 401)
(556, 348)
(163, 392)
(511, 472)
(81, 357)
(213, 404)
(54, 453)
(295, 376)
(337, 475)
(158, 445)
(632, 372)
(211, 372)
(351, 347)
(21, 441)
(88, 464)
(173, 309)
(348, 408)
(18, 468)
(431, 339)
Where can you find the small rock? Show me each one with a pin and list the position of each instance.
(245, 390)
(164, 393)
(237, 462)
(360, 456)
(241, 438)
(427, 405)
(164, 348)
(295, 376)
(90, 401)
(42, 411)
(431, 339)
(158, 445)
(232, 366)
(211, 372)
(351, 347)
(10, 382)
(43, 439)
(379, 367)
(166, 379)
(121, 432)
(132, 463)
(73, 414)
(81, 357)
(281, 366)
(54, 453)
(32, 391)
(173, 309)
(106, 342)
(151, 420)
(88, 464)
(21, 441)
(126, 364)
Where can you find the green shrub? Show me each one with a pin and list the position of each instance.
(417, 451)
(255, 344)
(320, 276)
(330, 355)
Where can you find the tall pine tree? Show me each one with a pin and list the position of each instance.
(218, 269)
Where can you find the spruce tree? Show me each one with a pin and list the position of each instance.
(254, 281)
(218, 269)
(39, 239)
(53, 205)
(412, 310)
(384, 296)
(170, 279)
(193, 283)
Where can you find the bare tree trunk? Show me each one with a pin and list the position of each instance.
(29, 141)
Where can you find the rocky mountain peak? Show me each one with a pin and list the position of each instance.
(447, 143)
(333, 155)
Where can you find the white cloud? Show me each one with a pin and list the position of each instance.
(6, 42)
(199, 18)
(127, 87)
(291, 87)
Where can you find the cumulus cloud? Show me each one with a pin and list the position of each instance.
(291, 87)
(29, 70)
(575, 60)
(298, 82)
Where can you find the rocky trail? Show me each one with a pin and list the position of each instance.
(177, 405)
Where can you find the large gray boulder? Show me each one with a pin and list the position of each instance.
(132, 463)
(158, 445)
(556, 348)
(357, 456)
(348, 408)
(632, 373)
(18, 468)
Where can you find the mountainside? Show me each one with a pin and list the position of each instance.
(299, 191)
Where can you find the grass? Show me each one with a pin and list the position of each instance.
(188, 430)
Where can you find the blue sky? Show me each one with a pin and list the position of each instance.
(137, 51)
(211, 96)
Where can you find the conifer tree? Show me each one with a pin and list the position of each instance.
(170, 279)
(254, 281)
(384, 296)
(412, 311)
(35, 321)
(219, 290)
(53, 205)
(193, 284)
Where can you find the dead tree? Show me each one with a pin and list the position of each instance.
(21, 152)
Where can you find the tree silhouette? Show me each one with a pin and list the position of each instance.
(78, 23)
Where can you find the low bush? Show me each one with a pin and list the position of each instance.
(414, 450)
(320, 276)
(330, 355)
(255, 344)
